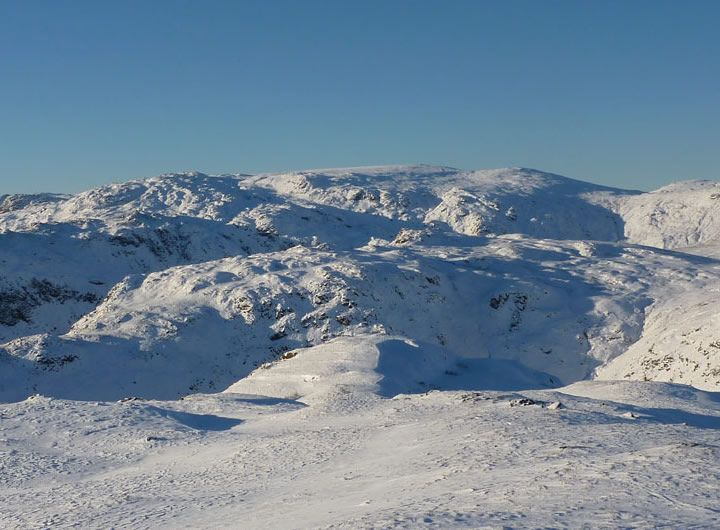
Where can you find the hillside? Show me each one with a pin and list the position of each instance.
(155, 321)
(181, 283)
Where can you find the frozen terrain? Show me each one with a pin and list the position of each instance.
(402, 346)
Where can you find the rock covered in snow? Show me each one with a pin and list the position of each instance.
(188, 282)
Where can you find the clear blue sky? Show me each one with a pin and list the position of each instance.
(623, 93)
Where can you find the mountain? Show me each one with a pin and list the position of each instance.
(396, 346)
(188, 282)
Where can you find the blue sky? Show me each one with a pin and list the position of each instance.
(622, 93)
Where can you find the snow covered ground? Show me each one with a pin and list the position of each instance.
(404, 346)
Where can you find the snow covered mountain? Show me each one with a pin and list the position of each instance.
(401, 346)
(186, 282)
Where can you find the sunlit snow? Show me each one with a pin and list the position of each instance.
(400, 346)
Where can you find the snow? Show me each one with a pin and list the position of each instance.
(393, 346)
(354, 460)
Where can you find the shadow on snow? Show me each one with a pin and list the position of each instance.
(408, 367)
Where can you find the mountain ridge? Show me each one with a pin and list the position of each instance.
(515, 248)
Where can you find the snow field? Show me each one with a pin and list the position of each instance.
(377, 347)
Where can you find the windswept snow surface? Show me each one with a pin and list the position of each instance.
(399, 346)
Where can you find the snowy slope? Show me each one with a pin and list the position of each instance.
(451, 459)
(546, 305)
(366, 334)
(127, 281)
(680, 215)
(470, 202)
